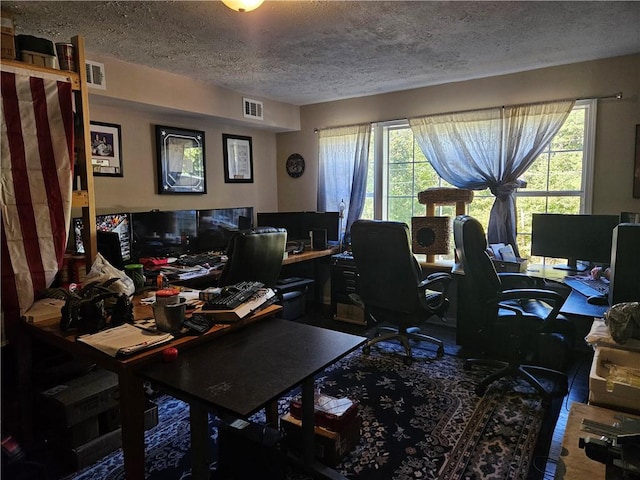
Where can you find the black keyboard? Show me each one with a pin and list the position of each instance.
(587, 286)
(198, 259)
(233, 296)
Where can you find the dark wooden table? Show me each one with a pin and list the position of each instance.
(244, 371)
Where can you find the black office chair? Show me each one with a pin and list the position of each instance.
(517, 315)
(391, 284)
(255, 255)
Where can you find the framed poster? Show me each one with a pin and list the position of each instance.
(181, 160)
(238, 159)
(106, 149)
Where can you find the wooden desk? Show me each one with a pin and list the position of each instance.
(243, 372)
(573, 463)
(310, 255)
(131, 391)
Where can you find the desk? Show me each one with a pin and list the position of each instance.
(309, 255)
(242, 372)
(575, 306)
(576, 303)
(573, 463)
(211, 278)
(131, 391)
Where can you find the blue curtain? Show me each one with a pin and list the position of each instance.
(342, 172)
(490, 148)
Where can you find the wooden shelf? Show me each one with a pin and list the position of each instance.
(71, 77)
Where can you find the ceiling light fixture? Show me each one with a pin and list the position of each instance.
(242, 5)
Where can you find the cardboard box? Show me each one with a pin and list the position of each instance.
(80, 398)
(331, 447)
(625, 381)
(7, 32)
(333, 414)
(90, 452)
(76, 435)
(38, 59)
(350, 313)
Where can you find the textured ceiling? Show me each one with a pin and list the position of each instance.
(304, 52)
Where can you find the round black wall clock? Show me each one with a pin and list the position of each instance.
(295, 165)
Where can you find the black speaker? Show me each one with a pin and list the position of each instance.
(624, 283)
(319, 239)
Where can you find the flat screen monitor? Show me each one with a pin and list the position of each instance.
(216, 226)
(300, 224)
(329, 221)
(292, 222)
(163, 234)
(575, 237)
(119, 223)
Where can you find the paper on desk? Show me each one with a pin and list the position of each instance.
(125, 339)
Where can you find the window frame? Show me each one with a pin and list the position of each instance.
(380, 169)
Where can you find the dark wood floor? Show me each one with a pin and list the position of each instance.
(578, 375)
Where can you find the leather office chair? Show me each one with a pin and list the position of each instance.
(391, 284)
(517, 316)
(255, 255)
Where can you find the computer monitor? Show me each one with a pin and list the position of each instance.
(163, 233)
(292, 222)
(216, 226)
(299, 224)
(329, 221)
(119, 223)
(575, 237)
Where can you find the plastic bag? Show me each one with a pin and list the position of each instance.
(102, 270)
(623, 320)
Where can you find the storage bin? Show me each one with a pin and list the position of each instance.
(625, 394)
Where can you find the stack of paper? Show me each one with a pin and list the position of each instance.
(125, 339)
(43, 310)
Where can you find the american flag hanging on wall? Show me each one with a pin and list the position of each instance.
(36, 141)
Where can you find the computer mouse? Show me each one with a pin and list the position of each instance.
(598, 300)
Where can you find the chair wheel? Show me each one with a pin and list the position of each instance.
(480, 391)
(408, 361)
(366, 349)
(440, 352)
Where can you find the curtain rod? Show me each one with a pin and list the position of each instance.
(603, 97)
(617, 96)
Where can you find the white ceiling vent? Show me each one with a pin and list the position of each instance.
(95, 75)
(252, 109)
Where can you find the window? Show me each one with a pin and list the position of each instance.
(559, 181)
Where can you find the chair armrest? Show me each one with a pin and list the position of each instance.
(437, 282)
(554, 299)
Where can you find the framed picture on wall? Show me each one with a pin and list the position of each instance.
(181, 160)
(636, 167)
(238, 159)
(106, 149)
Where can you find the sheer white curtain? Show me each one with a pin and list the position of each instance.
(342, 173)
(490, 148)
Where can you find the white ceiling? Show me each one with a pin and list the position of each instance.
(304, 52)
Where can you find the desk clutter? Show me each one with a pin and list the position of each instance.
(337, 427)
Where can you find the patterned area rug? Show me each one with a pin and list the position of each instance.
(422, 421)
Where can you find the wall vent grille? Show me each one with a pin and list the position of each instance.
(253, 109)
(95, 75)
